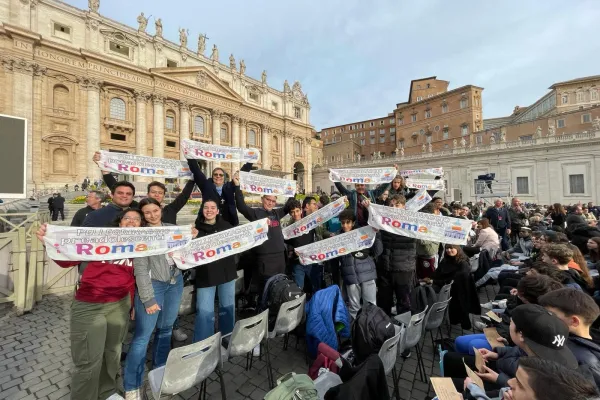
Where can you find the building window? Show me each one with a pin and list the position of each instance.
(522, 185)
(60, 98)
(275, 106)
(392, 121)
(62, 31)
(464, 103)
(464, 130)
(560, 123)
(297, 149)
(351, 128)
(428, 138)
(372, 123)
(253, 96)
(414, 118)
(275, 141)
(381, 122)
(297, 112)
(400, 144)
(594, 95)
(252, 137)
(427, 113)
(445, 133)
(199, 125)
(372, 140)
(382, 139)
(372, 133)
(437, 128)
(476, 102)
(362, 142)
(419, 98)
(444, 108)
(224, 133)
(170, 121)
(401, 121)
(117, 108)
(119, 48)
(565, 99)
(118, 136)
(526, 137)
(171, 63)
(586, 118)
(478, 139)
(392, 130)
(393, 138)
(382, 131)
(580, 97)
(576, 184)
(171, 143)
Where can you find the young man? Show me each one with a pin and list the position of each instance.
(309, 206)
(358, 268)
(560, 256)
(122, 197)
(524, 244)
(578, 311)
(94, 201)
(396, 267)
(299, 271)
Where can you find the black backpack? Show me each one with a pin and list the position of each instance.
(371, 328)
(282, 290)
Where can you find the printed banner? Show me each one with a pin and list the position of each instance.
(337, 246)
(262, 184)
(418, 225)
(368, 176)
(132, 164)
(96, 244)
(212, 152)
(219, 245)
(428, 184)
(419, 201)
(423, 171)
(315, 219)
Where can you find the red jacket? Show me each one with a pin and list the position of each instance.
(104, 281)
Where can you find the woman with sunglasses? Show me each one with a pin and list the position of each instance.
(99, 318)
(156, 303)
(215, 188)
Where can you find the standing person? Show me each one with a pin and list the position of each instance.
(518, 219)
(58, 206)
(122, 197)
(94, 201)
(156, 303)
(356, 199)
(99, 319)
(558, 215)
(398, 186)
(216, 277)
(575, 218)
(50, 205)
(215, 188)
(396, 267)
(270, 256)
(299, 271)
(500, 220)
(438, 207)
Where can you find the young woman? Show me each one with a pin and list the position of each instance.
(558, 215)
(99, 318)
(159, 290)
(593, 245)
(487, 238)
(218, 276)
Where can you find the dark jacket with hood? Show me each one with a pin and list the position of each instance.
(399, 253)
(219, 271)
(359, 267)
(352, 196)
(507, 363)
(587, 353)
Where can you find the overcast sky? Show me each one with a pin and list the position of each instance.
(355, 58)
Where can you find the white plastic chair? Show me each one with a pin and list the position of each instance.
(288, 318)
(187, 366)
(412, 336)
(246, 335)
(389, 353)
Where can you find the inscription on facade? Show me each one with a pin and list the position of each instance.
(18, 44)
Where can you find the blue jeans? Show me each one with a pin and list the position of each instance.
(314, 273)
(204, 327)
(168, 298)
(464, 344)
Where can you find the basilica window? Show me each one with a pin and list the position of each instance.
(118, 48)
(580, 97)
(60, 98)
(297, 149)
(199, 125)
(170, 121)
(464, 103)
(275, 141)
(427, 113)
(565, 99)
(224, 133)
(117, 108)
(297, 112)
(464, 130)
(594, 95)
(253, 96)
(444, 108)
(252, 137)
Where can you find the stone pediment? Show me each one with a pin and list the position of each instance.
(200, 77)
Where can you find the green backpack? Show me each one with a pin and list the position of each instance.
(293, 387)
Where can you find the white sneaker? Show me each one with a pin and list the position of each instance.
(256, 351)
(179, 335)
(115, 396)
(487, 306)
(133, 395)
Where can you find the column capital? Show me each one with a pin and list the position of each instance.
(27, 67)
(235, 119)
(184, 106)
(158, 99)
(87, 83)
(287, 134)
(8, 64)
(265, 128)
(216, 114)
(243, 122)
(141, 96)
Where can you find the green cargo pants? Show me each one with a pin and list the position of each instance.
(97, 333)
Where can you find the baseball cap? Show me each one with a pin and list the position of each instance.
(544, 333)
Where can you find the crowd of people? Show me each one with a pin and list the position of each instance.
(543, 259)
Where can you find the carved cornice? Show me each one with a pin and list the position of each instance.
(8, 64)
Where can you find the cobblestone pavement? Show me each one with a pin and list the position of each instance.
(35, 359)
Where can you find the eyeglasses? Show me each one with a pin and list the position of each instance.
(137, 219)
(218, 175)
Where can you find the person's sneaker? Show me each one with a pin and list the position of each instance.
(406, 353)
(480, 326)
(116, 396)
(488, 306)
(179, 335)
(133, 395)
(256, 351)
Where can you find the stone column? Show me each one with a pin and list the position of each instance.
(140, 123)
(184, 124)
(158, 141)
(308, 168)
(243, 132)
(93, 125)
(288, 155)
(216, 131)
(37, 125)
(266, 148)
(235, 138)
(23, 104)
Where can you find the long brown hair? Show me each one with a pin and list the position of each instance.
(579, 260)
(484, 222)
(595, 254)
(460, 254)
(559, 209)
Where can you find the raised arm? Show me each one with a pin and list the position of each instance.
(241, 205)
(378, 191)
(109, 180)
(342, 189)
(199, 176)
(182, 197)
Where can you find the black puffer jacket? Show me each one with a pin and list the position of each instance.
(219, 271)
(359, 267)
(399, 253)
(587, 353)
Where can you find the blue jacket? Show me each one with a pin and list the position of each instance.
(226, 200)
(320, 326)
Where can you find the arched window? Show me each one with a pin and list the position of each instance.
(170, 121)
(60, 97)
(252, 137)
(275, 143)
(117, 108)
(224, 133)
(199, 125)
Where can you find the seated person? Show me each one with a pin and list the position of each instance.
(579, 311)
(524, 245)
(535, 331)
(560, 256)
(487, 238)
